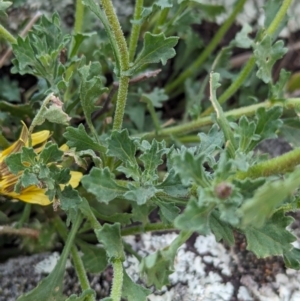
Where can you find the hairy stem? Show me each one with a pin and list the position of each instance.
(275, 166)
(121, 102)
(124, 62)
(116, 290)
(117, 32)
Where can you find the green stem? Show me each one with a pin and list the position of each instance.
(161, 21)
(275, 166)
(81, 273)
(117, 32)
(78, 16)
(204, 121)
(146, 228)
(25, 216)
(152, 112)
(124, 62)
(121, 102)
(235, 85)
(136, 27)
(208, 50)
(251, 62)
(116, 290)
(279, 16)
(69, 239)
(6, 35)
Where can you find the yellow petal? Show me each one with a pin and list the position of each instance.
(40, 137)
(64, 148)
(75, 178)
(16, 146)
(32, 195)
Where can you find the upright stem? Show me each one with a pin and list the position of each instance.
(117, 32)
(81, 273)
(116, 290)
(124, 62)
(208, 50)
(78, 16)
(162, 19)
(121, 102)
(136, 27)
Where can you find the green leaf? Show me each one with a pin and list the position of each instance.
(290, 130)
(266, 55)
(256, 210)
(110, 236)
(101, 183)
(292, 259)
(212, 141)
(94, 258)
(242, 39)
(221, 229)
(69, 198)
(95, 8)
(19, 110)
(28, 155)
(167, 211)
(157, 97)
(37, 54)
(10, 90)
(121, 146)
(245, 133)
(190, 168)
(3, 6)
(91, 88)
(14, 163)
(173, 186)
(27, 179)
(248, 186)
(157, 48)
(83, 297)
(50, 153)
(78, 38)
(54, 114)
(267, 124)
(140, 194)
(132, 291)
(159, 265)
(194, 218)
(272, 239)
(277, 90)
(152, 158)
(81, 140)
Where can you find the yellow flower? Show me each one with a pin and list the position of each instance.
(30, 194)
